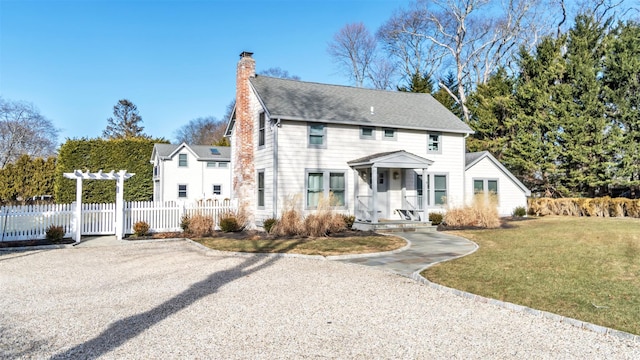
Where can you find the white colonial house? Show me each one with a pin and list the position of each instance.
(191, 172)
(384, 155)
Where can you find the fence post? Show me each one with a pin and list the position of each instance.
(78, 211)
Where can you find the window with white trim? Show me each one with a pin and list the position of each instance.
(182, 191)
(182, 160)
(324, 183)
(211, 164)
(434, 143)
(217, 189)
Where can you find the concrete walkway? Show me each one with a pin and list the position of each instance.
(426, 249)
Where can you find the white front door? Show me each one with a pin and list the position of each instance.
(382, 205)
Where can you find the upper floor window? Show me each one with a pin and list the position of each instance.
(155, 171)
(389, 134)
(211, 164)
(223, 164)
(182, 160)
(367, 132)
(261, 129)
(317, 135)
(434, 143)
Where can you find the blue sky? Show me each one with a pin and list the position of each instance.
(174, 59)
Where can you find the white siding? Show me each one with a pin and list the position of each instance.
(196, 175)
(344, 144)
(510, 195)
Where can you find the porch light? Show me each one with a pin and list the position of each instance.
(396, 175)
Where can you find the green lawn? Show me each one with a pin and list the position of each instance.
(584, 268)
(308, 246)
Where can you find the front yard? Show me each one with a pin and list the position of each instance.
(584, 268)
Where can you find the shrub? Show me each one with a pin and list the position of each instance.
(519, 211)
(55, 232)
(269, 223)
(348, 220)
(601, 207)
(290, 222)
(141, 228)
(435, 218)
(184, 222)
(229, 223)
(482, 213)
(200, 225)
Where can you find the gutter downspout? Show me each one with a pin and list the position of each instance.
(275, 169)
(464, 169)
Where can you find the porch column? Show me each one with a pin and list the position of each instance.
(356, 192)
(78, 211)
(120, 204)
(425, 194)
(374, 194)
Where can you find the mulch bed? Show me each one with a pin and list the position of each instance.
(24, 243)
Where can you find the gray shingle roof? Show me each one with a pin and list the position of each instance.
(202, 152)
(471, 158)
(307, 101)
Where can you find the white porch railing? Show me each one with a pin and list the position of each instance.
(31, 221)
(364, 208)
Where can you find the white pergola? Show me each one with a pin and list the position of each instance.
(120, 177)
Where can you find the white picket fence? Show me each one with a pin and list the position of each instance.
(31, 221)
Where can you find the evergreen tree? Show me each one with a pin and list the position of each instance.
(492, 107)
(420, 83)
(445, 98)
(585, 137)
(621, 79)
(532, 154)
(125, 123)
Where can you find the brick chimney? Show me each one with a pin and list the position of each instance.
(244, 182)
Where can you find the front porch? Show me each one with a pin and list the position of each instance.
(386, 193)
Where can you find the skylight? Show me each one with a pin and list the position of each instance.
(214, 151)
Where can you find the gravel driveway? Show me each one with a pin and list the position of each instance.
(173, 300)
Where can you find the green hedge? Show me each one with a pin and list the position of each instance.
(99, 154)
(602, 207)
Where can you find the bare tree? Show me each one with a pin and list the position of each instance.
(411, 54)
(279, 73)
(477, 36)
(353, 49)
(201, 131)
(125, 123)
(24, 131)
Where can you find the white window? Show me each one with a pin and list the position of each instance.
(223, 164)
(182, 191)
(367, 132)
(434, 143)
(217, 189)
(317, 136)
(324, 183)
(182, 160)
(211, 164)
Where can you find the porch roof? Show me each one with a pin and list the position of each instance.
(393, 159)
